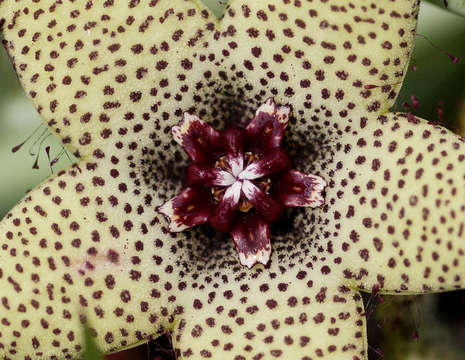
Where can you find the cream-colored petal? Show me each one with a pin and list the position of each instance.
(97, 71)
(396, 202)
(85, 246)
(299, 314)
(319, 55)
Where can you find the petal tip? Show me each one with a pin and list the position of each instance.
(168, 211)
(180, 130)
(316, 197)
(251, 236)
(250, 260)
(281, 112)
(300, 189)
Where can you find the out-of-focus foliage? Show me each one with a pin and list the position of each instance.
(457, 6)
(433, 78)
(91, 351)
(18, 119)
(216, 6)
(417, 327)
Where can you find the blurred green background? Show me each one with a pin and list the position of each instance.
(432, 78)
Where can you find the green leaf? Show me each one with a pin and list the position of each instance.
(91, 351)
(216, 6)
(456, 6)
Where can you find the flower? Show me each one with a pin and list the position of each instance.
(236, 171)
(112, 78)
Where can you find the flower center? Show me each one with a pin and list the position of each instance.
(240, 181)
(263, 183)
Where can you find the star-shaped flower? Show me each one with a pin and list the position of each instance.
(112, 78)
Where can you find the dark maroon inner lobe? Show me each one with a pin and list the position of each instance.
(202, 143)
(201, 175)
(231, 144)
(234, 141)
(269, 208)
(265, 134)
(192, 206)
(251, 234)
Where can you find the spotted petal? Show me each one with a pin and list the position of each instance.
(398, 191)
(297, 318)
(79, 249)
(320, 56)
(99, 71)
